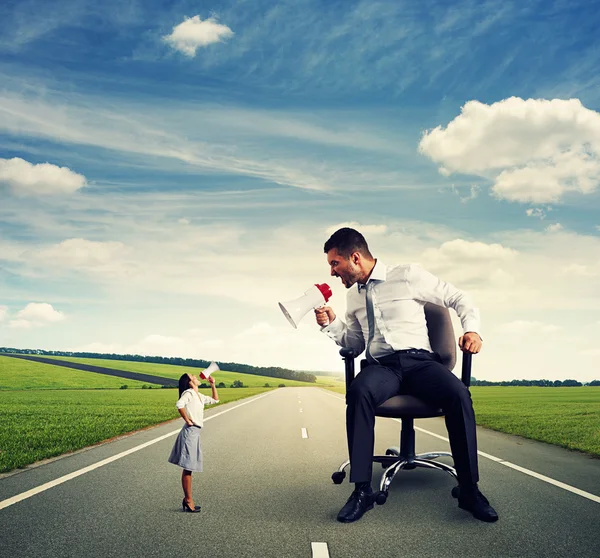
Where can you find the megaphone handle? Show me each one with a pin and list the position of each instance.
(316, 308)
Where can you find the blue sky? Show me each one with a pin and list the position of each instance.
(170, 171)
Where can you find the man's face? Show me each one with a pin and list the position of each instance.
(344, 268)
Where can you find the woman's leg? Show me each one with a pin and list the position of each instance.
(186, 483)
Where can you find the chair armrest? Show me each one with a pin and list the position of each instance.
(466, 369)
(348, 355)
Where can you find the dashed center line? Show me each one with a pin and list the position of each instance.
(319, 550)
(304, 433)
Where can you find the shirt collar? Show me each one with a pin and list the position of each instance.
(379, 273)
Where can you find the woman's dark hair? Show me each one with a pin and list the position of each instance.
(347, 241)
(184, 383)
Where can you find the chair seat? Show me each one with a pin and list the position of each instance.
(407, 405)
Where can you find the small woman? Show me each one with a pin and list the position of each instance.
(187, 450)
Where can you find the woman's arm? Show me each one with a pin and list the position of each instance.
(185, 417)
(215, 394)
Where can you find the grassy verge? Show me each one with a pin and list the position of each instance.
(564, 416)
(48, 423)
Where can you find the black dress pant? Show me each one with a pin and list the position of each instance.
(423, 376)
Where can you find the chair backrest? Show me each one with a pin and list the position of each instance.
(441, 333)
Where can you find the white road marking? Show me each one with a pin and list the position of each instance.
(501, 461)
(43, 487)
(319, 550)
(304, 433)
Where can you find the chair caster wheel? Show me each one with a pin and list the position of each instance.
(456, 492)
(380, 498)
(338, 477)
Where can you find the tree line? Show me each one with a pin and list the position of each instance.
(539, 383)
(271, 371)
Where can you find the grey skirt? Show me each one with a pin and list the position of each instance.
(187, 450)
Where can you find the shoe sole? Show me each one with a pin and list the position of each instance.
(353, 520)
(486, 519)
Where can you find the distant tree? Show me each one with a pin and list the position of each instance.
(281, 385)
(221, 385)
(237, 384)
(204, 385)
(267, 385)
(123, 386)
(571, 383)
(594, 383)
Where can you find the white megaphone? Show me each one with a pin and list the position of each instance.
(295, 310)
(212, 367)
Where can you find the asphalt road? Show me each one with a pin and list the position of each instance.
(266, 492)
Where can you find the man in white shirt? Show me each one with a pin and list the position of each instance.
(385, 317)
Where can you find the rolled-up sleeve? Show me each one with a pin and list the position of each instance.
(183, 400)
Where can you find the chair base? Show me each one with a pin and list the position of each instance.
(393, 462)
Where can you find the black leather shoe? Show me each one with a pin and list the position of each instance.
(474, 501)
(359, 502)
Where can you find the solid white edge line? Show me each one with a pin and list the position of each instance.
(43, 487)
(538, 476)
(304, 433)
(319, 550)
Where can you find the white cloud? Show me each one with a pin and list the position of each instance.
(3, 313)
(536, 212)
(554, 228)
(87, 255)
(365, 230)
(579, 270)
(27, 179)
(194, 33)
(523, 326)
(36, 314)
(533, 150)
(460, 251)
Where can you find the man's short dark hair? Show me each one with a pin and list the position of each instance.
(347, 241)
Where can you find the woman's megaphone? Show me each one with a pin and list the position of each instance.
(295, 310)
(212, 367)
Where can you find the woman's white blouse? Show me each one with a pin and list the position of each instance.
(194, 402)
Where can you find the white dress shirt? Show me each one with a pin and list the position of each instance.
(399, 296)
(194, 402)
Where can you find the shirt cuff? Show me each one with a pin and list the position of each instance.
(334, 329)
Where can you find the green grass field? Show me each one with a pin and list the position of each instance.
(564, 416)
(174, 371)
(25, 374)
(53, 422)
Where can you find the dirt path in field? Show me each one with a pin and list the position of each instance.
(147, 378)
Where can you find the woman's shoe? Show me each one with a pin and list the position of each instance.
(187, 508)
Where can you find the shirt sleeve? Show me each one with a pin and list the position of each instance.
(185, 398)
(428, 288)
(348, 334)
(207, 400)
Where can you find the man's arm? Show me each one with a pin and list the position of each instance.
(347, 334)
(428, 288)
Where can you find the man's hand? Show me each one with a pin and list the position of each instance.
(211, 380)
(470, 342)
(325, 315)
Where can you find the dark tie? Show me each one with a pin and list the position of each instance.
(371, 321)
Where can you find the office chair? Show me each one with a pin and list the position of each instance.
(407, 408)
